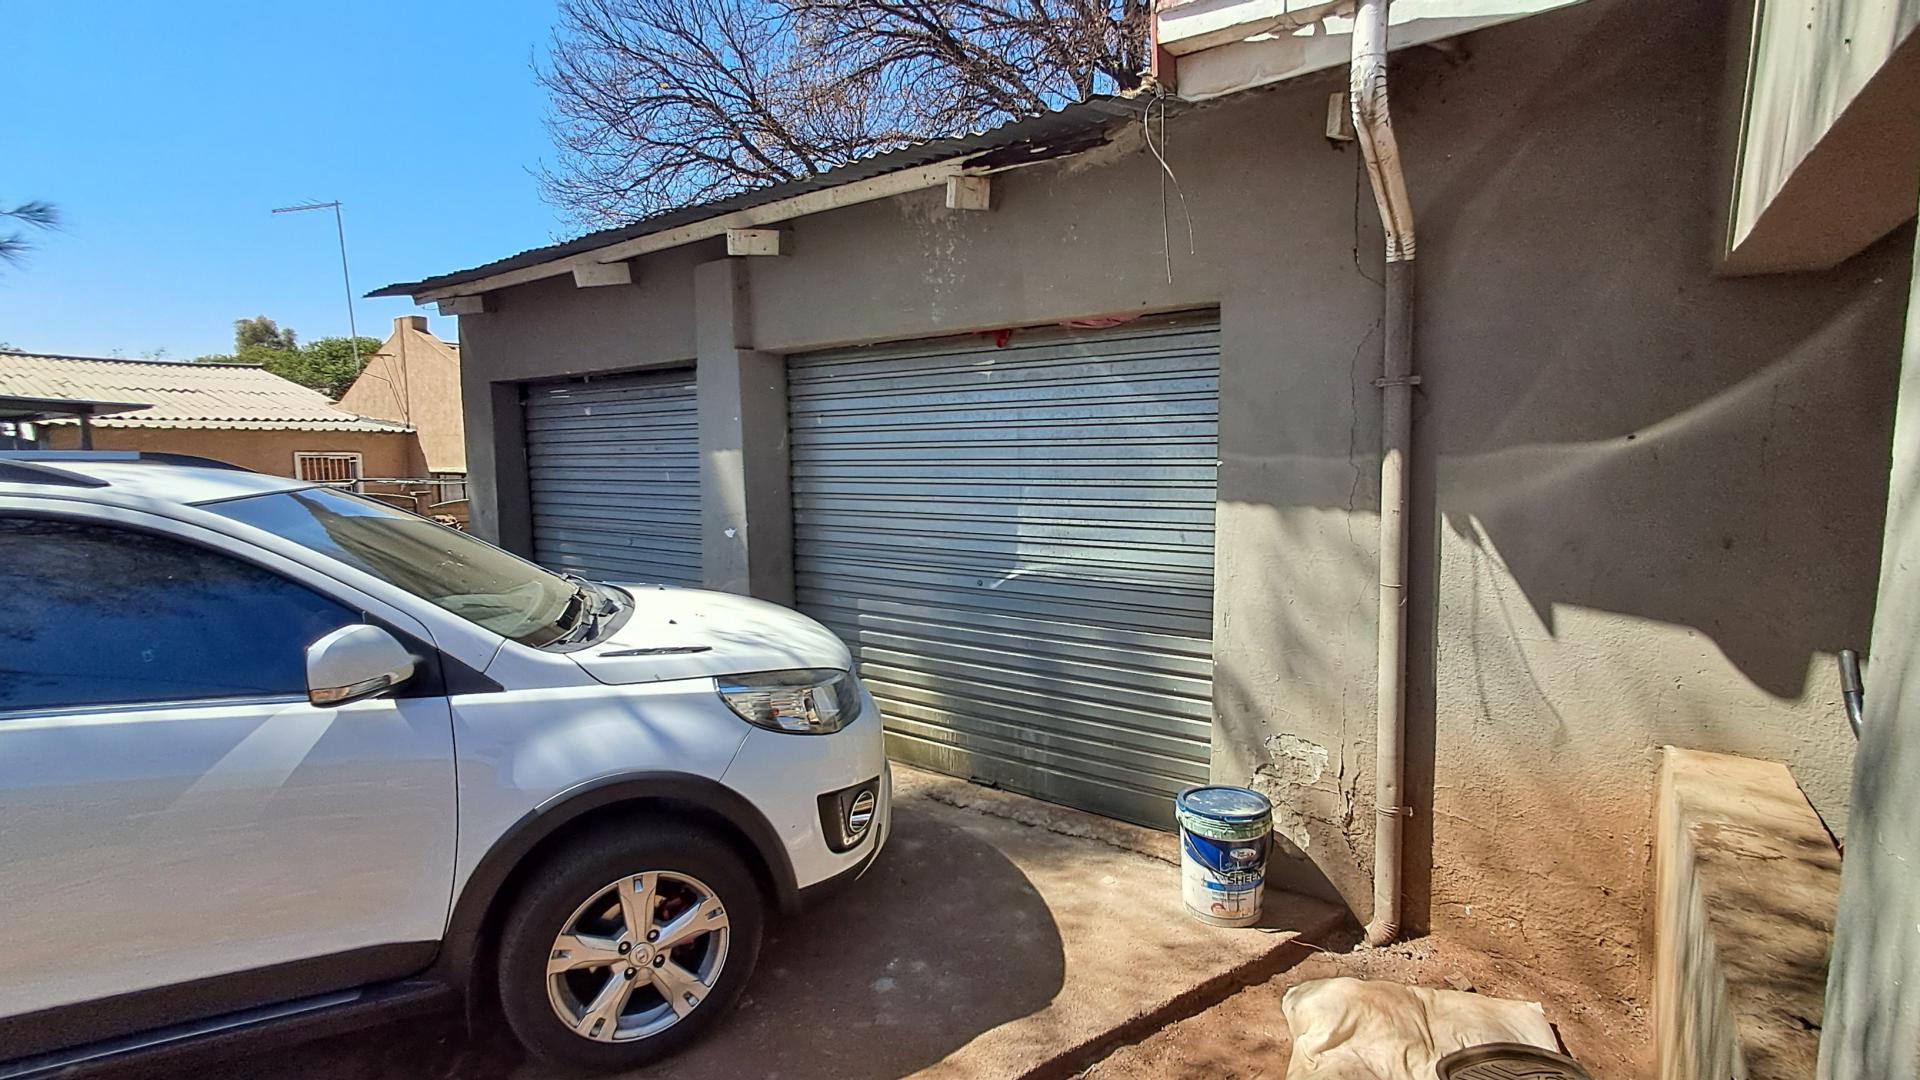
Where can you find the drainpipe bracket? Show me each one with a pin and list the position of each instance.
(1404, 380)
(1394, 811)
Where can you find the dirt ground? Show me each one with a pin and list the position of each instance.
(1245, 1036)
(995, 937)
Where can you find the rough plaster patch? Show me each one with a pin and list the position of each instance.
(1306, 760)
(1293, 764)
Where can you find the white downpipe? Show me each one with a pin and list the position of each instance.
(1367, 88)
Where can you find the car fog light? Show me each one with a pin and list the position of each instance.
(860, 814)
(847, 815)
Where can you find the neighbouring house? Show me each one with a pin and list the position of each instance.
(1072, 430)
(238, 413)
(414, 379)
(242, 414)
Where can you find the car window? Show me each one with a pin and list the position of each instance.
(445, 567)
(99, 615)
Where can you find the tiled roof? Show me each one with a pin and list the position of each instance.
(180, 395)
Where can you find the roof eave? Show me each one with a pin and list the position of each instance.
(1024, 141)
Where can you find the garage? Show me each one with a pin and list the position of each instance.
(1014, 534)
(613, 476)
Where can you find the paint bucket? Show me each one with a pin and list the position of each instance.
(1224, 836)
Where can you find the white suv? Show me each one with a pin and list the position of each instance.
(269, 749)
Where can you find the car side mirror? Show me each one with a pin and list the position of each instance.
(355, 662)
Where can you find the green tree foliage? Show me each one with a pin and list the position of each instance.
(326, 364)
(262, 331)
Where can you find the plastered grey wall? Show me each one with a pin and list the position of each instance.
(549, 330)
(1647, 496)
(1873, 1001)
(1648, 500)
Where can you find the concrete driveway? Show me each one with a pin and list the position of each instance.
(996, 936)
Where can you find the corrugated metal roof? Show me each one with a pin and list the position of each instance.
(1028, 138)
(218, 396)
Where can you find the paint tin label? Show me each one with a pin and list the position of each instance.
(1224, 835)
(1221, 881)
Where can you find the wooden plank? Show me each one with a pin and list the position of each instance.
(591, 275)
(813, 202)
(464, 305)
(969, 193)
(759, 242)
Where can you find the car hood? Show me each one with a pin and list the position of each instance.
(687, 633)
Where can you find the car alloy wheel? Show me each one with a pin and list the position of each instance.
(638, 956)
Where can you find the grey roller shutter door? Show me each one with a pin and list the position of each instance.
(613, 473)
(1017, 543)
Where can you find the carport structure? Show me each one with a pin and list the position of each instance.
(16, 411)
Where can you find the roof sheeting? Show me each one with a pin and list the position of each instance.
(240, 397)
(1028, 138)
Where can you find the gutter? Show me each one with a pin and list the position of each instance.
(1367, 90)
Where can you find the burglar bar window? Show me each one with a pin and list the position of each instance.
(327, 468)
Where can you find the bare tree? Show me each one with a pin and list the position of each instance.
(661, 103)
(41, 215)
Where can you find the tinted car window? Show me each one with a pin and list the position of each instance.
(449, 569)
(95, 615)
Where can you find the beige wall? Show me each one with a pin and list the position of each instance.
(383, 453)
(415, 379)
(1648, 498)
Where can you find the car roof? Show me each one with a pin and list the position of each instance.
(164, 478)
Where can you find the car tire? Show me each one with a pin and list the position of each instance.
(565, 1006)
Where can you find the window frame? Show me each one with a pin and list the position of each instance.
(356, 460)
(428, 681)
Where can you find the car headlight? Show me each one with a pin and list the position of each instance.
(808, 701)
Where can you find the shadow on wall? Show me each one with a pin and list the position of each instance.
(945, 939)
(1648, 501)
(1634, 435)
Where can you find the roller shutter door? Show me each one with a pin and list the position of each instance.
(1017, 543)
(613, 472)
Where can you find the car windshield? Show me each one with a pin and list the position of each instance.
(445, 567)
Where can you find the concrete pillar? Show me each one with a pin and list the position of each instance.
(497, 505)
(746, 503)
(496, 435)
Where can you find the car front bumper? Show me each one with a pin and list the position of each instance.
(784, 775)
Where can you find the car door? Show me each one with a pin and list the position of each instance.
(181, 832)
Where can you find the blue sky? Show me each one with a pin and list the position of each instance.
(166, 132)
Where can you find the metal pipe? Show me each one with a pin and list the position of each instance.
(346, 279)
(1367, 90)
(1852, 690)
(353, 328)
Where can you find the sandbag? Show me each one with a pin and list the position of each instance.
(1359, 1029)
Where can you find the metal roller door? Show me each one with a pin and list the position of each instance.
(1017, 543)
(613, 471)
